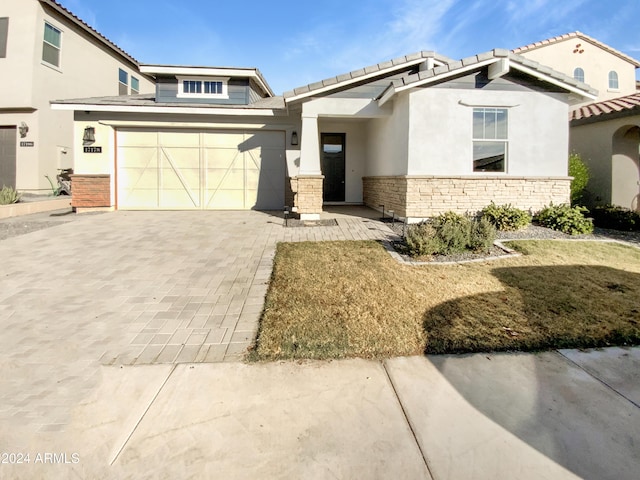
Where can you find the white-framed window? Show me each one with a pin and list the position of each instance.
(123, 82)
(202, 87)
(578, 74)
(51, 45)
(490, 139)
(613, 80)
(135, 85)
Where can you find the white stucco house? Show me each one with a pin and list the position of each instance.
(419, 134)
(605, 132)
(46, 53)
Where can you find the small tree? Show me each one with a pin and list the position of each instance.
(580, 173)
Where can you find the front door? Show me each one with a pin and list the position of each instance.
(333, 148)
(8, 157)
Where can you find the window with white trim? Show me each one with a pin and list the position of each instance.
(613, 80)
(123, 82)
(578, 74)
(51, 45)
(135, 85)
(490, 139)
(204, 87)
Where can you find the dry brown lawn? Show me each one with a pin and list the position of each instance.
(351, 299)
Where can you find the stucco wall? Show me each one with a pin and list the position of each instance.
(388, 140)
(441, 124)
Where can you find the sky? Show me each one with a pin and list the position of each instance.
(301, 42)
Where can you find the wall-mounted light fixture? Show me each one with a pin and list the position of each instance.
(294, 138)
(23, 129)
(89, 135)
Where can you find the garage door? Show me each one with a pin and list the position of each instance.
(180, 170)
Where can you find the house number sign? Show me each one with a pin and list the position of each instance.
(92, 149)
(26, 144)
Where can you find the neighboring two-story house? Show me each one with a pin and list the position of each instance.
(606, 133)
(48, 53)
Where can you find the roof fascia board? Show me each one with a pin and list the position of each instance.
(173, 110)
(208, 125)
(553, 81)
(351, 81)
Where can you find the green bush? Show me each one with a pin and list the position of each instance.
(567, 219)
(449, 233)
(8, 196)
(580, 173)
(506, 217)
(615, 217)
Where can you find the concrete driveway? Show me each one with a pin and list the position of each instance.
(113, 331)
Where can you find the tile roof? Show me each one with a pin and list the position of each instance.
(88, 28)
(595, 111)
(451, 68)
(582, 36)
(396, 63)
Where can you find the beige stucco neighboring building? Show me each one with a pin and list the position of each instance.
(47, 53)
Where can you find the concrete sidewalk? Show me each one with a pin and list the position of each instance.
(554, 415)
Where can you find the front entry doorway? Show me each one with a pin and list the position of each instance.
(7, 157)
(333, 167)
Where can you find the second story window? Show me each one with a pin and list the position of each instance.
(202, 87)
(4, 33)
(613, 80)
(135, 85)
(51, 45)
(123, 82)
(578, 74)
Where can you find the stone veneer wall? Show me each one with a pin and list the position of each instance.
(307, 193)
(90, 191)
(426, 196)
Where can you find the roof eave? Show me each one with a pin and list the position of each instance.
(178, 109)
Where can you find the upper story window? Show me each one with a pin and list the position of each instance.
(123, 82)
(4, 33)
(578, 74)
(613, 80)
(490, 141)
(51, 45)
(135, 85)
(205, 87)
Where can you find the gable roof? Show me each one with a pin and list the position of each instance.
(594, 112)
(332, 84)
(503, 61)
(581, 36)
(89, 29)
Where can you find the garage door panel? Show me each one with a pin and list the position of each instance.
(177, 199)
(266, 140)
(223, 158)
(223, 139)
(138, 138)
(182, 139)
(133, 178)
(226, 199)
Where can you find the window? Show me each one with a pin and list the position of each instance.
(51, 45)
(202, 87)
(123, 82)
(4, 32)
(613, 80)
(578, 74)
(490, 139)
(135, 85)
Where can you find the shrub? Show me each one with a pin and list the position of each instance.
(615, 217)
(8, 196)
(580, 173)
(505, 217)
(449, 233)
(565, 218)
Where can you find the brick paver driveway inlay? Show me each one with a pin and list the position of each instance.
(131, 288)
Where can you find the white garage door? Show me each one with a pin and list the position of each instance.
(216, 169)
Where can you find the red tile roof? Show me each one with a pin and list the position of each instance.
(89, 29)
(629, 104)
(582, 36)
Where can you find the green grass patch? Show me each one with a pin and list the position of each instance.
(350, 299)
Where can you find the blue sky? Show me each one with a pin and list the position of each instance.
(295, 43)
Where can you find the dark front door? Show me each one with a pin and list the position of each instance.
(7, 157)
(333, 148)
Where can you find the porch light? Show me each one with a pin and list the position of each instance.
(89, 135)
(294, 138)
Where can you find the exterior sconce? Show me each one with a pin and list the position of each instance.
(89, 135)
(23, 129)
(294, 138)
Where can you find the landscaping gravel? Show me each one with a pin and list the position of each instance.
(15, 226)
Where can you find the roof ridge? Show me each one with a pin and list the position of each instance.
(576, 34)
